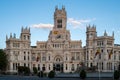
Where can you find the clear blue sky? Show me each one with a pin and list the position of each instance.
(14, 14)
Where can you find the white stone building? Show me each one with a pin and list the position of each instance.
(59, 52)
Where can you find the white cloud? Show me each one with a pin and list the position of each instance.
(71, 21)
(79, 23)
(42, 26)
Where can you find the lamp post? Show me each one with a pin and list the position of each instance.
(99, 69)
(40, 72)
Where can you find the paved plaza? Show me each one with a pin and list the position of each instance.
(61, 76)
(89, 75)
(37, 78)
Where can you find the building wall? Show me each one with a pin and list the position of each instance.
(59, 52)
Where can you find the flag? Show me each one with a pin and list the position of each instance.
(97, 52)
(55, 32)
(110, 54)
(37, 59)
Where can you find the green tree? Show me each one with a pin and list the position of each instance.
(116, 75)
(23, 70)
(40, 74)
(119, 68)
(3, 60)
(35, 71)
(83, 74)
(26, 70)
(51, 74)
(20, 70)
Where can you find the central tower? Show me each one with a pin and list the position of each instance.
(60, 18)
(59, 32)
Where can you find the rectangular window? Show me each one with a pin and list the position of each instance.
(66, 67)
(77, 66)
(24, 65)
(43, 58)
(59, 21)
(59, 26)
(24, 37)
(38, 67)
(49, 58)
(73, 58)
(102, 65)
(24, 57)
(43, 68)
(78, 58)
(72, 67)
(99, 56)
(13, 66)
(119, 57)
(18, 64)
(28, 57)
(66, 58)
(28, 65)
(114, 57)
(28, 37)
(49, 66)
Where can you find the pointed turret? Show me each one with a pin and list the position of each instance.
(6, 37)
(22, 29)
(94, 26)
(14, 35)
(113, 34)
(56, 8)
(105, 33)
(29, 29)
(10, 35)
(63, 7)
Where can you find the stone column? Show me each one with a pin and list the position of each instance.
(11, 67)
(105, 56)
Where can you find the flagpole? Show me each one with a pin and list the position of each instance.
(98, 52)
(99, 64)
(99, 68)
(113, 62)
(99, 74)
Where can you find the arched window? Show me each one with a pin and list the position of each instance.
(59, 22)
(91, 64)
(28, 37)
(102, 65)
(49, 58)
(58, 59)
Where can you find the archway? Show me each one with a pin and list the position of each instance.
(58, 63)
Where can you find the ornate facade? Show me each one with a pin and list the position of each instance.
(59, 52)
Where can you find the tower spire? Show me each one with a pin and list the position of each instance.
(113, 34)
(22, 29)
(14, 35)
(105, 33)
(60, 18)
(63, 7)
(6, 37)
(56, 8)
(29, 29)
(10, 35)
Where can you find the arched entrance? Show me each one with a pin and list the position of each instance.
(58, 63)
